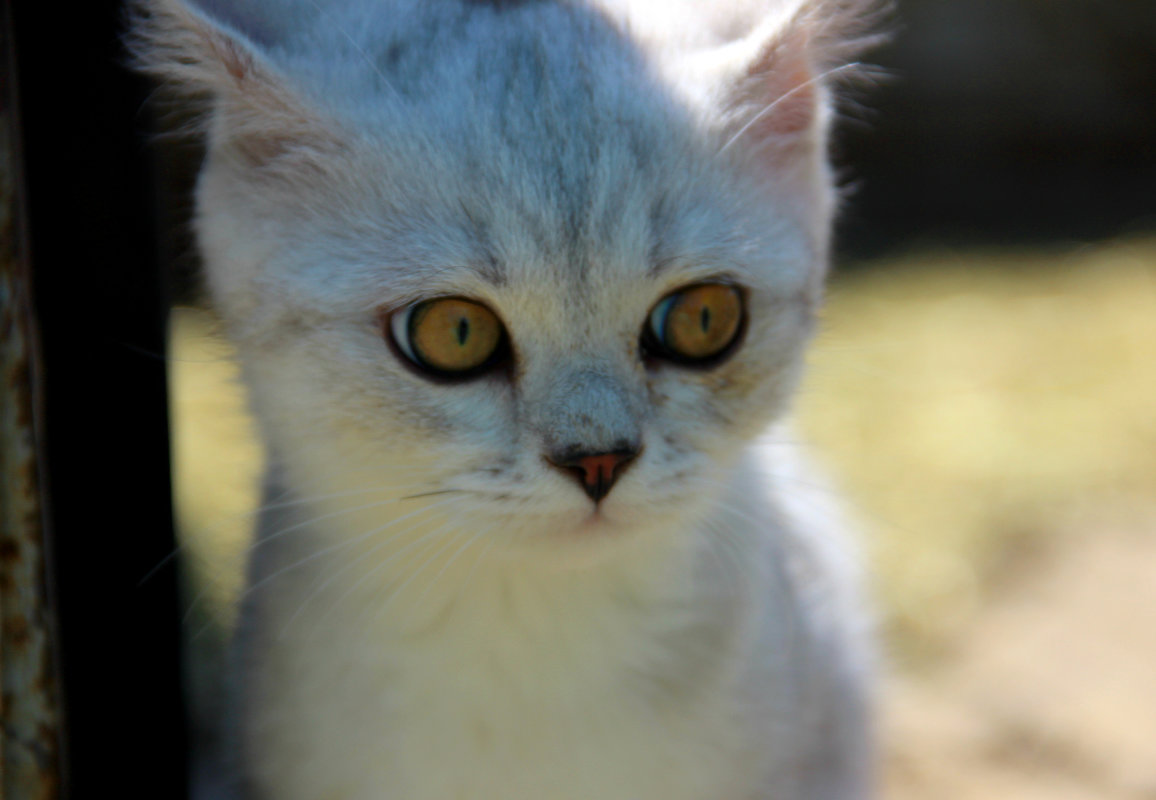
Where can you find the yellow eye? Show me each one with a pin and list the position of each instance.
(449, 335)
(697, 323)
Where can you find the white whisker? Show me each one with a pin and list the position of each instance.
(771, 106)
(302, 525)
(424, 538)
(353, 564)
(357, 47)
(469, 543)
(409, 579)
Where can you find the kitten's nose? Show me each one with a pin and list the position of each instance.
(596, 472)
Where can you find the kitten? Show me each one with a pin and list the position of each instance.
(517, 286)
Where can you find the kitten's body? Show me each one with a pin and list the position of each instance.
(436, 610)
(669, 673)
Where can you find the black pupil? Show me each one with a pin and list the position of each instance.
(463, 330)
(704, 319)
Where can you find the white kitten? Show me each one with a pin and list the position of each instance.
(516, 285)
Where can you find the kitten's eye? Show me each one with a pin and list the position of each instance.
(449, 336)
(695, 324)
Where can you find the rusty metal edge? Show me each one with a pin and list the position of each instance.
(30, 720)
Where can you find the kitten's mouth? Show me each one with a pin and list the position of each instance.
(598, 523)
(594, 522)
(588, 525)
(591, 540)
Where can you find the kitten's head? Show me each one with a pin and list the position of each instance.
(558, 259)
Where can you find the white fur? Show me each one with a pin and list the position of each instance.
(435, 611)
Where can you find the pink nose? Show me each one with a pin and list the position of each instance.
(596, 472)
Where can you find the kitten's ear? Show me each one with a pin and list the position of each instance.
(774, 82)
(254, 113)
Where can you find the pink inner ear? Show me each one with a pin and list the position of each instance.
(782, 81)
(791, 101)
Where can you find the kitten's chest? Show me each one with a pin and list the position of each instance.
(507, 701)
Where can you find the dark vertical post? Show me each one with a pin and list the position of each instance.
(101, 306)
(30, 735)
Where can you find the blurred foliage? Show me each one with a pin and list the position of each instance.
(217, 467)
(978, 405)
(1005, 121)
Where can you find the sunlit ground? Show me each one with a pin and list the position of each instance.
(977, 407)
(992, 419)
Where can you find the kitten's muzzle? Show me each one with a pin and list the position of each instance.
(596, 472)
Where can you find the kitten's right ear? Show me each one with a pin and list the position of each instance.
(254, 112)
(772, 83)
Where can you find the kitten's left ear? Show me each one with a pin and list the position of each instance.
(775, 81)
(253, 111)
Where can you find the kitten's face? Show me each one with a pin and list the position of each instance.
(572, 215)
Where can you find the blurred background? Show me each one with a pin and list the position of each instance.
(1006, 122)
(984, 391)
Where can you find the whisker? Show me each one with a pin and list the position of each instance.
(424, 538)
(431, 494)
(347, 568)
(726, 569)
(305, 524)
(176, 551)
(771, 106)
(738, 556)
(469, 543)
(474, 567)
(454, 539)
(409, 579)
(329, 515)
(307, 500)
(357, 47)
(341, 545)
(253, 512)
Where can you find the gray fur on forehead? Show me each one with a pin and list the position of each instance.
(351, 46)
(558, 73)
(550, 111)
(541, 125)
